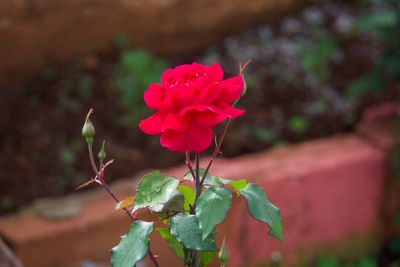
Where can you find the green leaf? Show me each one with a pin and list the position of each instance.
(155, 188)
(223, 254)
(172, 242)
(188, 195)
(261, 209)
(133, 246)
(174, 204)
(205, 258)
(211, 208)
(185, 228)
(238, 184)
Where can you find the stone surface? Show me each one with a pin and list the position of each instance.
(329, 191)
(36, 33)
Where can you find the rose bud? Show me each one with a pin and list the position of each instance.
(102, 153)
(88, 130)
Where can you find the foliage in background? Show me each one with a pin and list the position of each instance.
(134, 72)
(380, 19)
(315, 54)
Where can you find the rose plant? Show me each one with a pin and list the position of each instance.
(188, 102)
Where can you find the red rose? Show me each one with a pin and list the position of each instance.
(189, 101)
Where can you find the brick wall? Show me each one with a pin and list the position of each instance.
(328, 190)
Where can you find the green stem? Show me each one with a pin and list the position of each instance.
(197, 180)
(111, 193)
(194, 259)
(94, 167)
(217, 150)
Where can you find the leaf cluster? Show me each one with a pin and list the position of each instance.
(190, 227)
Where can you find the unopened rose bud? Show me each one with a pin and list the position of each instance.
(88, 130)
(102, 153)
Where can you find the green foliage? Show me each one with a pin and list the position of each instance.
(384, 24)
(155, 191)
(238, 184)
(135, 71)
(191, 231)
(381, 23)
(328, 261)
(315, 56)
(298, 124)
(264, 134)
(371, 83)
(188, 195)
(205, 258)
(261, 209)
(172, 242)
(133, 246)
(212, 207)
(334, 261)
(186, 229)
(367, 262)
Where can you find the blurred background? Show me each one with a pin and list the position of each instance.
(316, 66)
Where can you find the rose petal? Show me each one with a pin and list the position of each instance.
(231, 89)
(153, 125)
(208, 94)
(196, 108)
(167, 77)
(175, 122)
(196, 139)
(181, 95)
(215, 73)
(217, 113)
(154, 96)
(209, 118)
(229, 111)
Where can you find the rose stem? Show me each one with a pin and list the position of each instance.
(110, 192)
(198, 184)
(94, 167)
(217, 150)
(196, 177)
(189, 164)
(194, 256)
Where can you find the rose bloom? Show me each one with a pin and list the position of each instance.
(188, 102)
